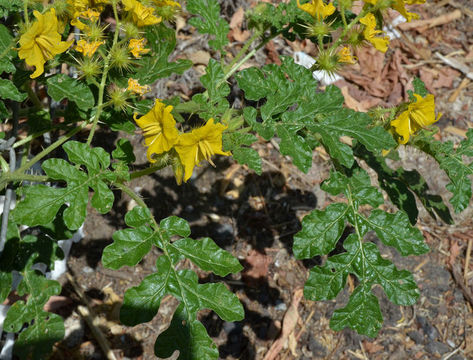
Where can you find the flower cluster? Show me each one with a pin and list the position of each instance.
(190, 149)
(41, 41)
(365, 28)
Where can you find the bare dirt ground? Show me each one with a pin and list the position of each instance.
(255, 218)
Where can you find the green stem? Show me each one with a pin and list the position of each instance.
(103, 81)
(4, 165)
(25, 10)
(9, 177)
(342, 13)
(50, 148)
(242, 61)
(147, 171)
(33, 97)
(38, 134)
(137, 198)
(347, 29)
(243, 50)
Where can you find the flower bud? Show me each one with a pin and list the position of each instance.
(326, 61)
(118, 97)
(89, 68)
(120, 59)
(131, 30)
(319, 28)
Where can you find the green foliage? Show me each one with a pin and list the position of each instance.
(8, 90)
(278, 19)
(44, 328)
(454, 163)
(62, 87)
(8, 6)
(41, 202)
(209, 21)
(162, 41)
(236, 142)
(322, 229)
(141, 303)
(212, 103)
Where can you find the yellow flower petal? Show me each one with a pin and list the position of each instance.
(418, 115)
(42, 41)
(159, 129)
(137, 47)
(141, 15)
(200, 144)
(317, 9)
(370, 32)
(86, 48)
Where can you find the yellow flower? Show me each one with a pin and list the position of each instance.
(345, 56)
(135, 87)
(370, 32)
(142, 15)
(167, 3)
(418, 115)
(159, 129)
(200, 144)
(42, 41)
(317, 9)
(86, 48)
(400, 7)
(137, 47)
(90, 14)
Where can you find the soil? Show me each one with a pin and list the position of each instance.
(255, 218)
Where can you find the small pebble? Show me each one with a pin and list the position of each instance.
(87, 270)
(281, 307)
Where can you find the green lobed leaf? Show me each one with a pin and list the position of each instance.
(61, 87)
(189, 337)
(278, 18)
(325, 282)
(44, 329)
(250, 157)
(362, 313)
(399, 286)
(214, 75)
(141, 303)
(320, 231)
(41, 203)
(174, 225)
(124, 151)
(8, 90)
(396, 231)
(209, 21)
(295, 146)
(346, 122)
(208, 256)
(131, 245)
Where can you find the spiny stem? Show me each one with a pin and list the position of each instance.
(103, 81)
(147, 171)
(243, 50)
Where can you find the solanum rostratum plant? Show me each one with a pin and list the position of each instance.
(95, 62)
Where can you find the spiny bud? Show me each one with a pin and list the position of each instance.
(319, 28)
(120, 57)
(61, 8)
(168, 12)
(131, 30)
(95, 32)
(327, 61)
(355, 38)
(118, 97)
(89, 68)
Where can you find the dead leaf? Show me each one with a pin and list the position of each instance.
(200, 57)
(290, 320)
(236, 23)
(258, 265)
(455, 249)
(372, 347)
